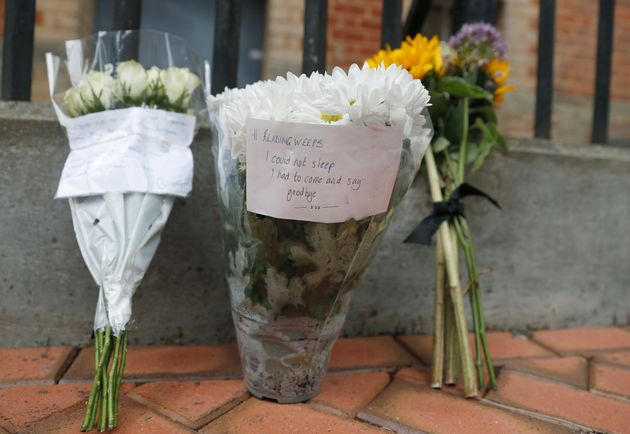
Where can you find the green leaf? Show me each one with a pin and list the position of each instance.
(488, 142)
(439, 105)
(487, 112)
(472, 152)
(458, 86)
(454, 122)
(440, 144)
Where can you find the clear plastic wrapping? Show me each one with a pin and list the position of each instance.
(129, 102)
(291, 281)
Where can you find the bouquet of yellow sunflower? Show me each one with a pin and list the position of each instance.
(465, 77)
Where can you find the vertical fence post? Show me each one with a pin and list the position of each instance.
(127, 14)
(544, 75)
(469, 11)
(391, 27)
(601, 109)
(227, 28)
(17, 52)
(417, 15)
(315, 28)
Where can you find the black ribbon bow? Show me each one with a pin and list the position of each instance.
(442, 211)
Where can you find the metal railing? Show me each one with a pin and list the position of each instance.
(20, 18)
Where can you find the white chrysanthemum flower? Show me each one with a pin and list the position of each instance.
(364, 96)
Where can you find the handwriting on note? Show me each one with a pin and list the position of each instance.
(321, 173)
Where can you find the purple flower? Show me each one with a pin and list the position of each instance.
(478, 43)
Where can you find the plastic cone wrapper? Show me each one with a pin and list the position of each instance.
(129, 102)
(310, 171)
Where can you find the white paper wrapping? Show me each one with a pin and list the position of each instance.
(128, 150)
(118, 235)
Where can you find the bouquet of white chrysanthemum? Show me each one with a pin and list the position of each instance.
(309, 172)
(130, 130)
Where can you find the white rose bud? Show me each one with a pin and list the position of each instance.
(132, 78)
(101, 85)
(178, 82)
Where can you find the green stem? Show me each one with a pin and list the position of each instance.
(463, 147)
(476, 291)
(112, 382)
(90, 411)
(105, 356)
(450, 344)
(438, 319)
(120, 373)
(465, 243)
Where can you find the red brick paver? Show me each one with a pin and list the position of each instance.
(375, 352)
(185, 388)
(563, 402)
(571, 370)
(405, 405)
(349, 393)
(133, 418)
(610, 379)
(621, 358)
(584, 340)
(192, 403)
(24, 366)
(503, 346)
(166, 362)
(256, 416)
(22, 406)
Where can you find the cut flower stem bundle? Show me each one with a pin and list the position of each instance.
(110, 353)
(465, 76)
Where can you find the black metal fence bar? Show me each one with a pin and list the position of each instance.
(470, 11)
(544, 75)
(417, 15)
(391, 27)
(17, 52)
(227, 26)
(315, 28)
(127, 14)
(601, 109)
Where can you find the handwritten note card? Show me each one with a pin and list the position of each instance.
(320, 173)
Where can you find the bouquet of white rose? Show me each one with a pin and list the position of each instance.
(309, 172)
(130, 130)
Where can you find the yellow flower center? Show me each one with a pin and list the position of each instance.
(330, 118)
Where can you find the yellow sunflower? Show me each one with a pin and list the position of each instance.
(419, 56)
(499, 71)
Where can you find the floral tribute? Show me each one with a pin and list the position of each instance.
(291, 280)
(130, 130)
(465, 77)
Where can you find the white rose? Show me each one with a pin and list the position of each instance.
(178, 82)
(174, 81)
(72, 100)
(132, 78)
(192, 83)
(153, 75)
(100, 85)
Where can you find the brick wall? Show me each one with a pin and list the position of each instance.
(354, 33)
(354, 29)
(2, 20)
(574, 69)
